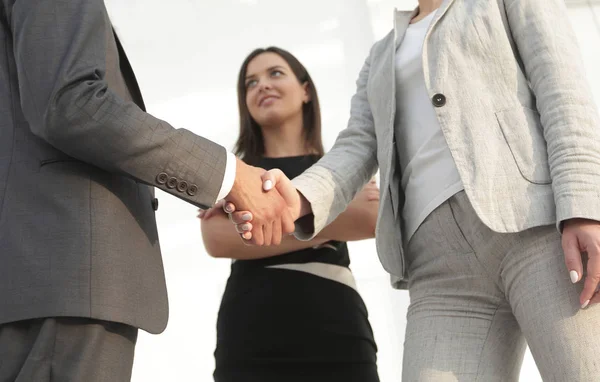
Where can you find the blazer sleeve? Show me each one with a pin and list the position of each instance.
(569, 116)
(331, 183)
(60, 51)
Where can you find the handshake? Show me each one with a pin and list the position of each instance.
(263, 205)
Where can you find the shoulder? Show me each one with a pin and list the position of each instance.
(379, 47)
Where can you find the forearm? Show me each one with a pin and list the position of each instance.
(357, 222)
(221, 240)
(332, 183)
(71, 99)
(569, 117)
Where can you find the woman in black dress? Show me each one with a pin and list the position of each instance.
(292, 312)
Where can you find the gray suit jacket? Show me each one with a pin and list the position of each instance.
(79, 158)
(508, 85)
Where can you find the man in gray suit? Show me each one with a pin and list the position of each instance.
(80, 262)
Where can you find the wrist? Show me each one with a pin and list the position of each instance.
(238, 172)
(304, 207)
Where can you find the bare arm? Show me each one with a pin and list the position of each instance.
(358, 221)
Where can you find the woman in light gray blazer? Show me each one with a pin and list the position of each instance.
(478, 116)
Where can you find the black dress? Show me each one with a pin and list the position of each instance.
(281, 325)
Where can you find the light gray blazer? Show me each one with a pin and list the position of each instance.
(518, 116)
(78, 159)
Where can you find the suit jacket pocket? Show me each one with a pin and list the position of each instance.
(522, 130)
(46, 162)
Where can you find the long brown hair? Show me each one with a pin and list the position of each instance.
(250, 145)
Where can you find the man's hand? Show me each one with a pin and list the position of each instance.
(582, 235)
(271, 217)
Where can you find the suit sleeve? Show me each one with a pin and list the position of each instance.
(331, 183)
(569, 116)
(60, 50)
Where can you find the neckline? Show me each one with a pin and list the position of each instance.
(289, 157)
(426, 18)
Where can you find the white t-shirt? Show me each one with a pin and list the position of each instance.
(429, 174)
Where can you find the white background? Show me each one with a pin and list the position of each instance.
(186, 54)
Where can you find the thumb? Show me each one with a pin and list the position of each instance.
(276, 178)
(570, 244)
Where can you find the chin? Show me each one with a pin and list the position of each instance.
(270, 119)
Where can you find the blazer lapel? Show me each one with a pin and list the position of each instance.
(401, 21)
(440, 13)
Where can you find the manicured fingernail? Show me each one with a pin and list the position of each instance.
(246, 217)
(245, 227)
(574, 276)
(228, 208)
(267, 185)
(585, 304)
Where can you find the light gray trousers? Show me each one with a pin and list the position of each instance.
(477, 297)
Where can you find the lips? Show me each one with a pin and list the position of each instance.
(267, 98)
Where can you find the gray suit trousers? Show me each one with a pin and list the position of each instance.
(478, 297)
(66, 350)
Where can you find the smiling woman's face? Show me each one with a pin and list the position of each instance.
(273, 93)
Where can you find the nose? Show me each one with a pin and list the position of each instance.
(264, 85)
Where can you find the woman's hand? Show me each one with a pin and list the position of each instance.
(229, 209)
(217, 209)
(369, 193)
(243, 218)
(582, 235)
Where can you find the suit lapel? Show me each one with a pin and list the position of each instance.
(401, 21)
(129, 76)
(440, 13)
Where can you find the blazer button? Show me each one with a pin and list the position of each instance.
(182, 186)
(162, 178)
(192, 190)
(172, 182)
(439, 100)
(155, 204)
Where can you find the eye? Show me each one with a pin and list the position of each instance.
(276, 73)
(251, 83)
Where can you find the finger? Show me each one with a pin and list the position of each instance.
(373, 195)
(268, 234)
(595, 299)
(245, 227)
(212, 212)
(257, 235)
(228, 207)
(246, 236)
(219, 204)
(201, 214)
(571, 249)
(240, 217)
(276, 231)
(592, 278)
